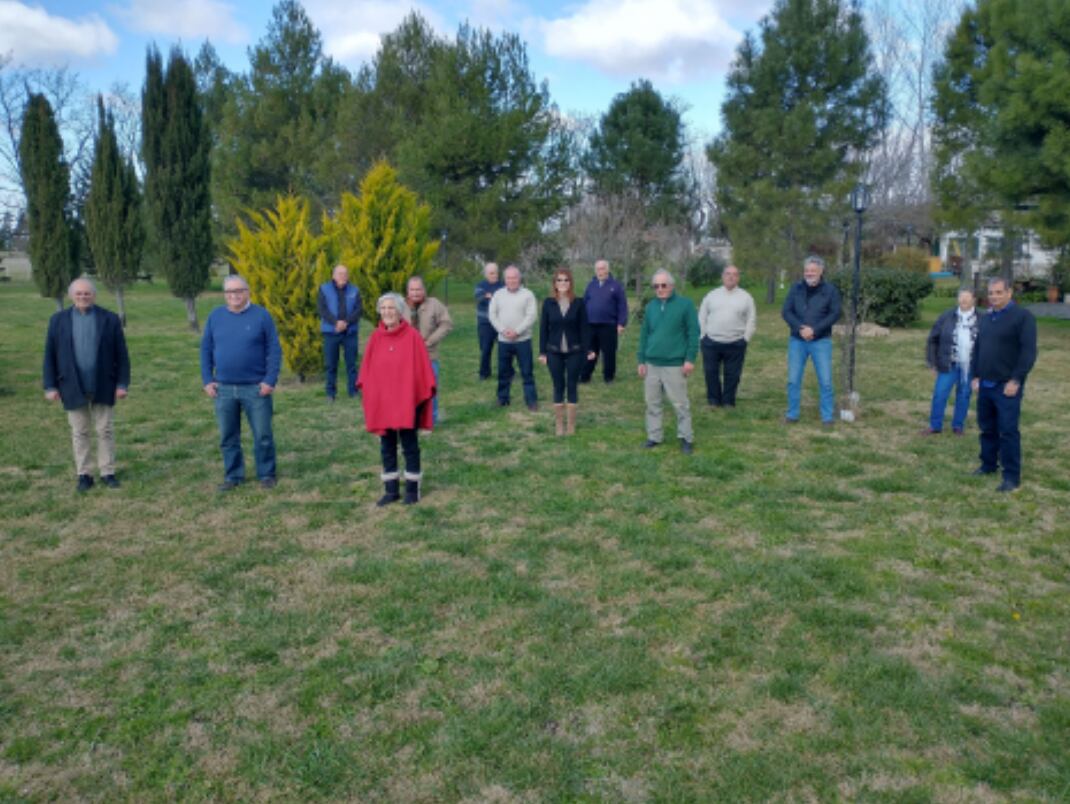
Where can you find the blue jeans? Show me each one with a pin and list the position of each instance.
(438, 390)
(487, 336)
(230, 401)
(522, 351)
(1001, 443)
(348, 342)
(945, 381)
(819, 351)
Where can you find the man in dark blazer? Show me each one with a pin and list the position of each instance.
(87, 367)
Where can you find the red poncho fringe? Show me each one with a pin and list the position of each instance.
(395, 377)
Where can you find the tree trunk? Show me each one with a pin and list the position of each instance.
(59, 303)
(121, 302)
(968, 280)
(1006, 256)
(191, 313)
(770, 285)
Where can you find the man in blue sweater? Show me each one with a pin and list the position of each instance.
(607, 313)
(240, 361)
(1003, 355)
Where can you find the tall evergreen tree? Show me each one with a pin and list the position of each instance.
(1002, 128)
(176, 148)
(803, 106)
(114, 226)
(46, 182)
(638, 148)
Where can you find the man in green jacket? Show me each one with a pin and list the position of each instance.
(668, 345)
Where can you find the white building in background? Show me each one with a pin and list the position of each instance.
(1031, 259)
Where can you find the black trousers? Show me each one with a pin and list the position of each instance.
(604, 343)
(731, 357)
(565, 372)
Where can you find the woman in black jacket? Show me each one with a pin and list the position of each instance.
(564, 343)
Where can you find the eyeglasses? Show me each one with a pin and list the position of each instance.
(235, 292)
(660, 285)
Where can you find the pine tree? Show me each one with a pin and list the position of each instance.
(176, 149)
(803, 104)
(113, 220)
(285, 262)
(383, 237)
(46, 180)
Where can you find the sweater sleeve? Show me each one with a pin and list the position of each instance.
(274, 351)
(528, 324)
(752, 319)
(1027, 348)
(644, 333)
(207, 352)
(622, 307)
(493, 314)
(703, 311)
(443, 325)
(787, 311)
(691, 322)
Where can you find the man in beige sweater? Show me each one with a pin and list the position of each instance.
(432, 319)
(727, 319)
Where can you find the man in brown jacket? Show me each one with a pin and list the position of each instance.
(432, 319)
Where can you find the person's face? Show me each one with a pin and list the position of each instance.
(730, 278)
(236, 296)
(415, 293)
(998, 295)
(965, 301)
(512, 278)
(662, 287)
(562, 285)
(812, 273)
(340, 276)
(83, 296)
(491, 273)
(601, 270)
(388, 312)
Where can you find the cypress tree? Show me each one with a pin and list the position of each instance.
(176, 149)
(113, 212)
(46, 180)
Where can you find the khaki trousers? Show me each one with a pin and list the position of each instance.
(93, 417)
(671, 379)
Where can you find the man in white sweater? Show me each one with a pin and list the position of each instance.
(727, 319)
(512, 313)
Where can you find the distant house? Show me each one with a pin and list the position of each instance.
(1031, 259)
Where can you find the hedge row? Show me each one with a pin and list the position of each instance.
(887, 296)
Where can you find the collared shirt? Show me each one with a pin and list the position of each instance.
(84, 337)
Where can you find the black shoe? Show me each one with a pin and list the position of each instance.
(789, 420)
(584, 380)
(267, 482)
(85, 482)
(412, 491)
(714, 405)
(609, 381)
(533, 406)
(227, 485)
(980, 470)
(111, 481)
(390, 493)
(686, 447)
(503, 403)
(651, 444)
(1007, 486)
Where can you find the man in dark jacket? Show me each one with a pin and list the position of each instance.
(948, 352)
(485, 330)
(1003, 356)
(607, 312)
(338, 305)
(87, 367)
(810, 310)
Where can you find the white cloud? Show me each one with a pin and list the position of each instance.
(188, 19)
(353, 29)
(32, 35)
(672, 40)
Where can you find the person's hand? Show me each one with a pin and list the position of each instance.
(120, 393)
(510, 334)
(642, 369)
(542, 359)
(620, 328)
(806, 333)
(488, 295)
(975, 384)
(265, 389)
(592, 355)
(212, 389)
(688, 368)
(52, 395)
(1011, 388)
(340, 326)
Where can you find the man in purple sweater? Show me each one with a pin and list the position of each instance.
(240, 361)
(607, 314)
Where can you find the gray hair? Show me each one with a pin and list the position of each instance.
(999, 280)
(416, 278)
(399, 303)
(82, 279)
(488, 266)
(813, 259)
(666, 274)
(235, 278)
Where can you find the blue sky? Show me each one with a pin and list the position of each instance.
(588, 50)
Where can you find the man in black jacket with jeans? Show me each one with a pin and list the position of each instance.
(1003, 355)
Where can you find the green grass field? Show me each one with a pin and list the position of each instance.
(789, 614)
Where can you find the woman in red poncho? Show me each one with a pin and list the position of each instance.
(397, 384)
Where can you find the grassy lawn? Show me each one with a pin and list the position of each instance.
(789, 614)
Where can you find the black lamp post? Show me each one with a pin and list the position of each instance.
(446, 290)
(859, 202)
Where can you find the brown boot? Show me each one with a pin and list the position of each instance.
(570, 426)
(559, 419)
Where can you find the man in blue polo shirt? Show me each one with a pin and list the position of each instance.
(240, 361)
(1003, 355)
